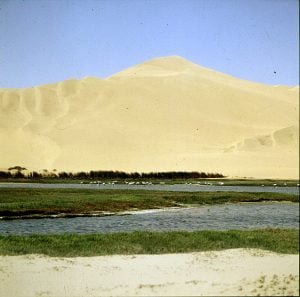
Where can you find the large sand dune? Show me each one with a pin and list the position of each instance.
(165, 114)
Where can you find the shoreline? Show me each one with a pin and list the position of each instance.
(100, 214)
(42, 203)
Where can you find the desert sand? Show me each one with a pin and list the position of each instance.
(236, 272)
(164, 114)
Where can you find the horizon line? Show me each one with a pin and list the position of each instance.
(141, 63)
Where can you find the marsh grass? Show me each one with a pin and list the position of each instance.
(72, 245)
(14, 202)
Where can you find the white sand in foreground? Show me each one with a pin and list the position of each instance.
(230, 272)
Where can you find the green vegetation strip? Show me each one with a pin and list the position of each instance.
(14, 202)
(71, 245)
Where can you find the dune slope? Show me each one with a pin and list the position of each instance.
(164, 114)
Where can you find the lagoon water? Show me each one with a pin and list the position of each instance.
(159, 187)
(214, 217)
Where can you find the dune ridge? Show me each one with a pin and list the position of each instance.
(165, 114)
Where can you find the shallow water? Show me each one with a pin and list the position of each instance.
(177, 187)
(215, 217)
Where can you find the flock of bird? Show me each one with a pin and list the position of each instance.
(146, 183)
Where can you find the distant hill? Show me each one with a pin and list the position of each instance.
(166, 114)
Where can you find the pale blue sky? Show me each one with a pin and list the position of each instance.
(49, 41)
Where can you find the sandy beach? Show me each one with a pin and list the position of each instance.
(219, 273)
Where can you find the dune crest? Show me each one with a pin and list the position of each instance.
(165, 114)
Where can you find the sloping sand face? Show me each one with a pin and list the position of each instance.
(165, 114)
(238, 272)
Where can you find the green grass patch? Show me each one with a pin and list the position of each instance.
(72, 245)
(15, 202)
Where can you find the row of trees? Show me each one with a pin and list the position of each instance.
(14, 173)
(138, 175)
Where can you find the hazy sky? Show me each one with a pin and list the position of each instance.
(49, 41)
